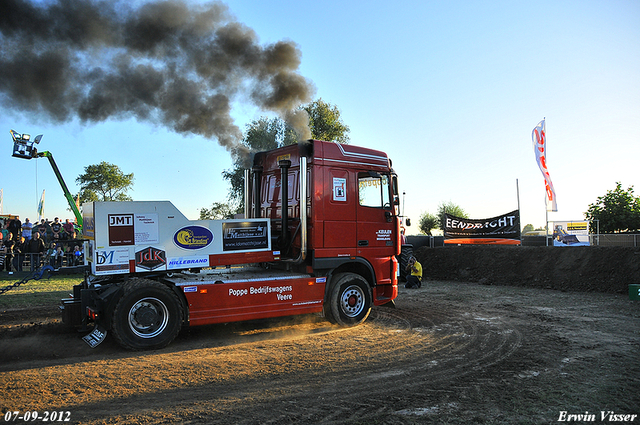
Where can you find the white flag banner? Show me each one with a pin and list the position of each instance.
(539, 138)
(41, 207)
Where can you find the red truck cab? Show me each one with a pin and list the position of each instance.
(351, 207)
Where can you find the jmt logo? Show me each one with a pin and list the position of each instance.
(121, 229)
(120, 220)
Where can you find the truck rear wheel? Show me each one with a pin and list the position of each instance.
(349, 300)
(405, 254)
(147, 316)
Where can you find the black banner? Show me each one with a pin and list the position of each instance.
(505, 226)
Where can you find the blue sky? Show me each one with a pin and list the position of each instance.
(451, 90)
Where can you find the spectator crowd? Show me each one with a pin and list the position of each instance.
(47, 242)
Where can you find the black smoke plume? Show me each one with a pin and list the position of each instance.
(169, 62)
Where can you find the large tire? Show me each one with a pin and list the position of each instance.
(147, 316)
(406, 253)
(349, 301)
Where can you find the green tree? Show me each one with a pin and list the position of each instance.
(427, 223)
(617, 211)
(325, 122)
(218, 211)
(266, 134)
(260, 135)
(104, 182)
(527, 228)
(449, 208)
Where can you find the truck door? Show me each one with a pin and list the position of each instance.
(375, 221)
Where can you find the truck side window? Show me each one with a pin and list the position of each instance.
(373, 190)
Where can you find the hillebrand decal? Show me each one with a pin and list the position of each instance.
(193, 237)
(187, 262)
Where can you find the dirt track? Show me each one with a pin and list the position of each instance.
(449, 353)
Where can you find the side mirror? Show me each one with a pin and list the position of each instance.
(407, 222)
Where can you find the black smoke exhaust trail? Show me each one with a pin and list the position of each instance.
(168, 62)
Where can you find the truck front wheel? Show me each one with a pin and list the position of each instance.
(349, 300)
(147, 316)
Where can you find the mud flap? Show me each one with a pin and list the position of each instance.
(96, 336)
(389, 304)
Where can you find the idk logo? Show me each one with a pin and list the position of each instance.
(151, 258)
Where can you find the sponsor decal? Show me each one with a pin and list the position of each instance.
(321, 280)
(187, 262)
(151, 258)
(121, 229)
(120, 220)
(146, 228)
(245, 235)
(339, 189)
(279, 291)
(88, 226)
(190, 289)
(112, 261)
(383, 235)
(193, 237)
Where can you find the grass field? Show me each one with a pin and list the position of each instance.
(35, 292)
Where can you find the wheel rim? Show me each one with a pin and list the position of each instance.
(352, 301)
(148, 317)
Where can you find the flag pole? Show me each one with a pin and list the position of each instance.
(546, 200)
(546, 219)
(518, 194)
(519, 215)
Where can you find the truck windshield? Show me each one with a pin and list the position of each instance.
(373, 191)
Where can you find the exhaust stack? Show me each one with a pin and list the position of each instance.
(284, 165)
(255, 189)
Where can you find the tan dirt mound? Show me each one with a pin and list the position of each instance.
(583, 269)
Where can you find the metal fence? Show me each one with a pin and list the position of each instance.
(30, 262)
(615, 239)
